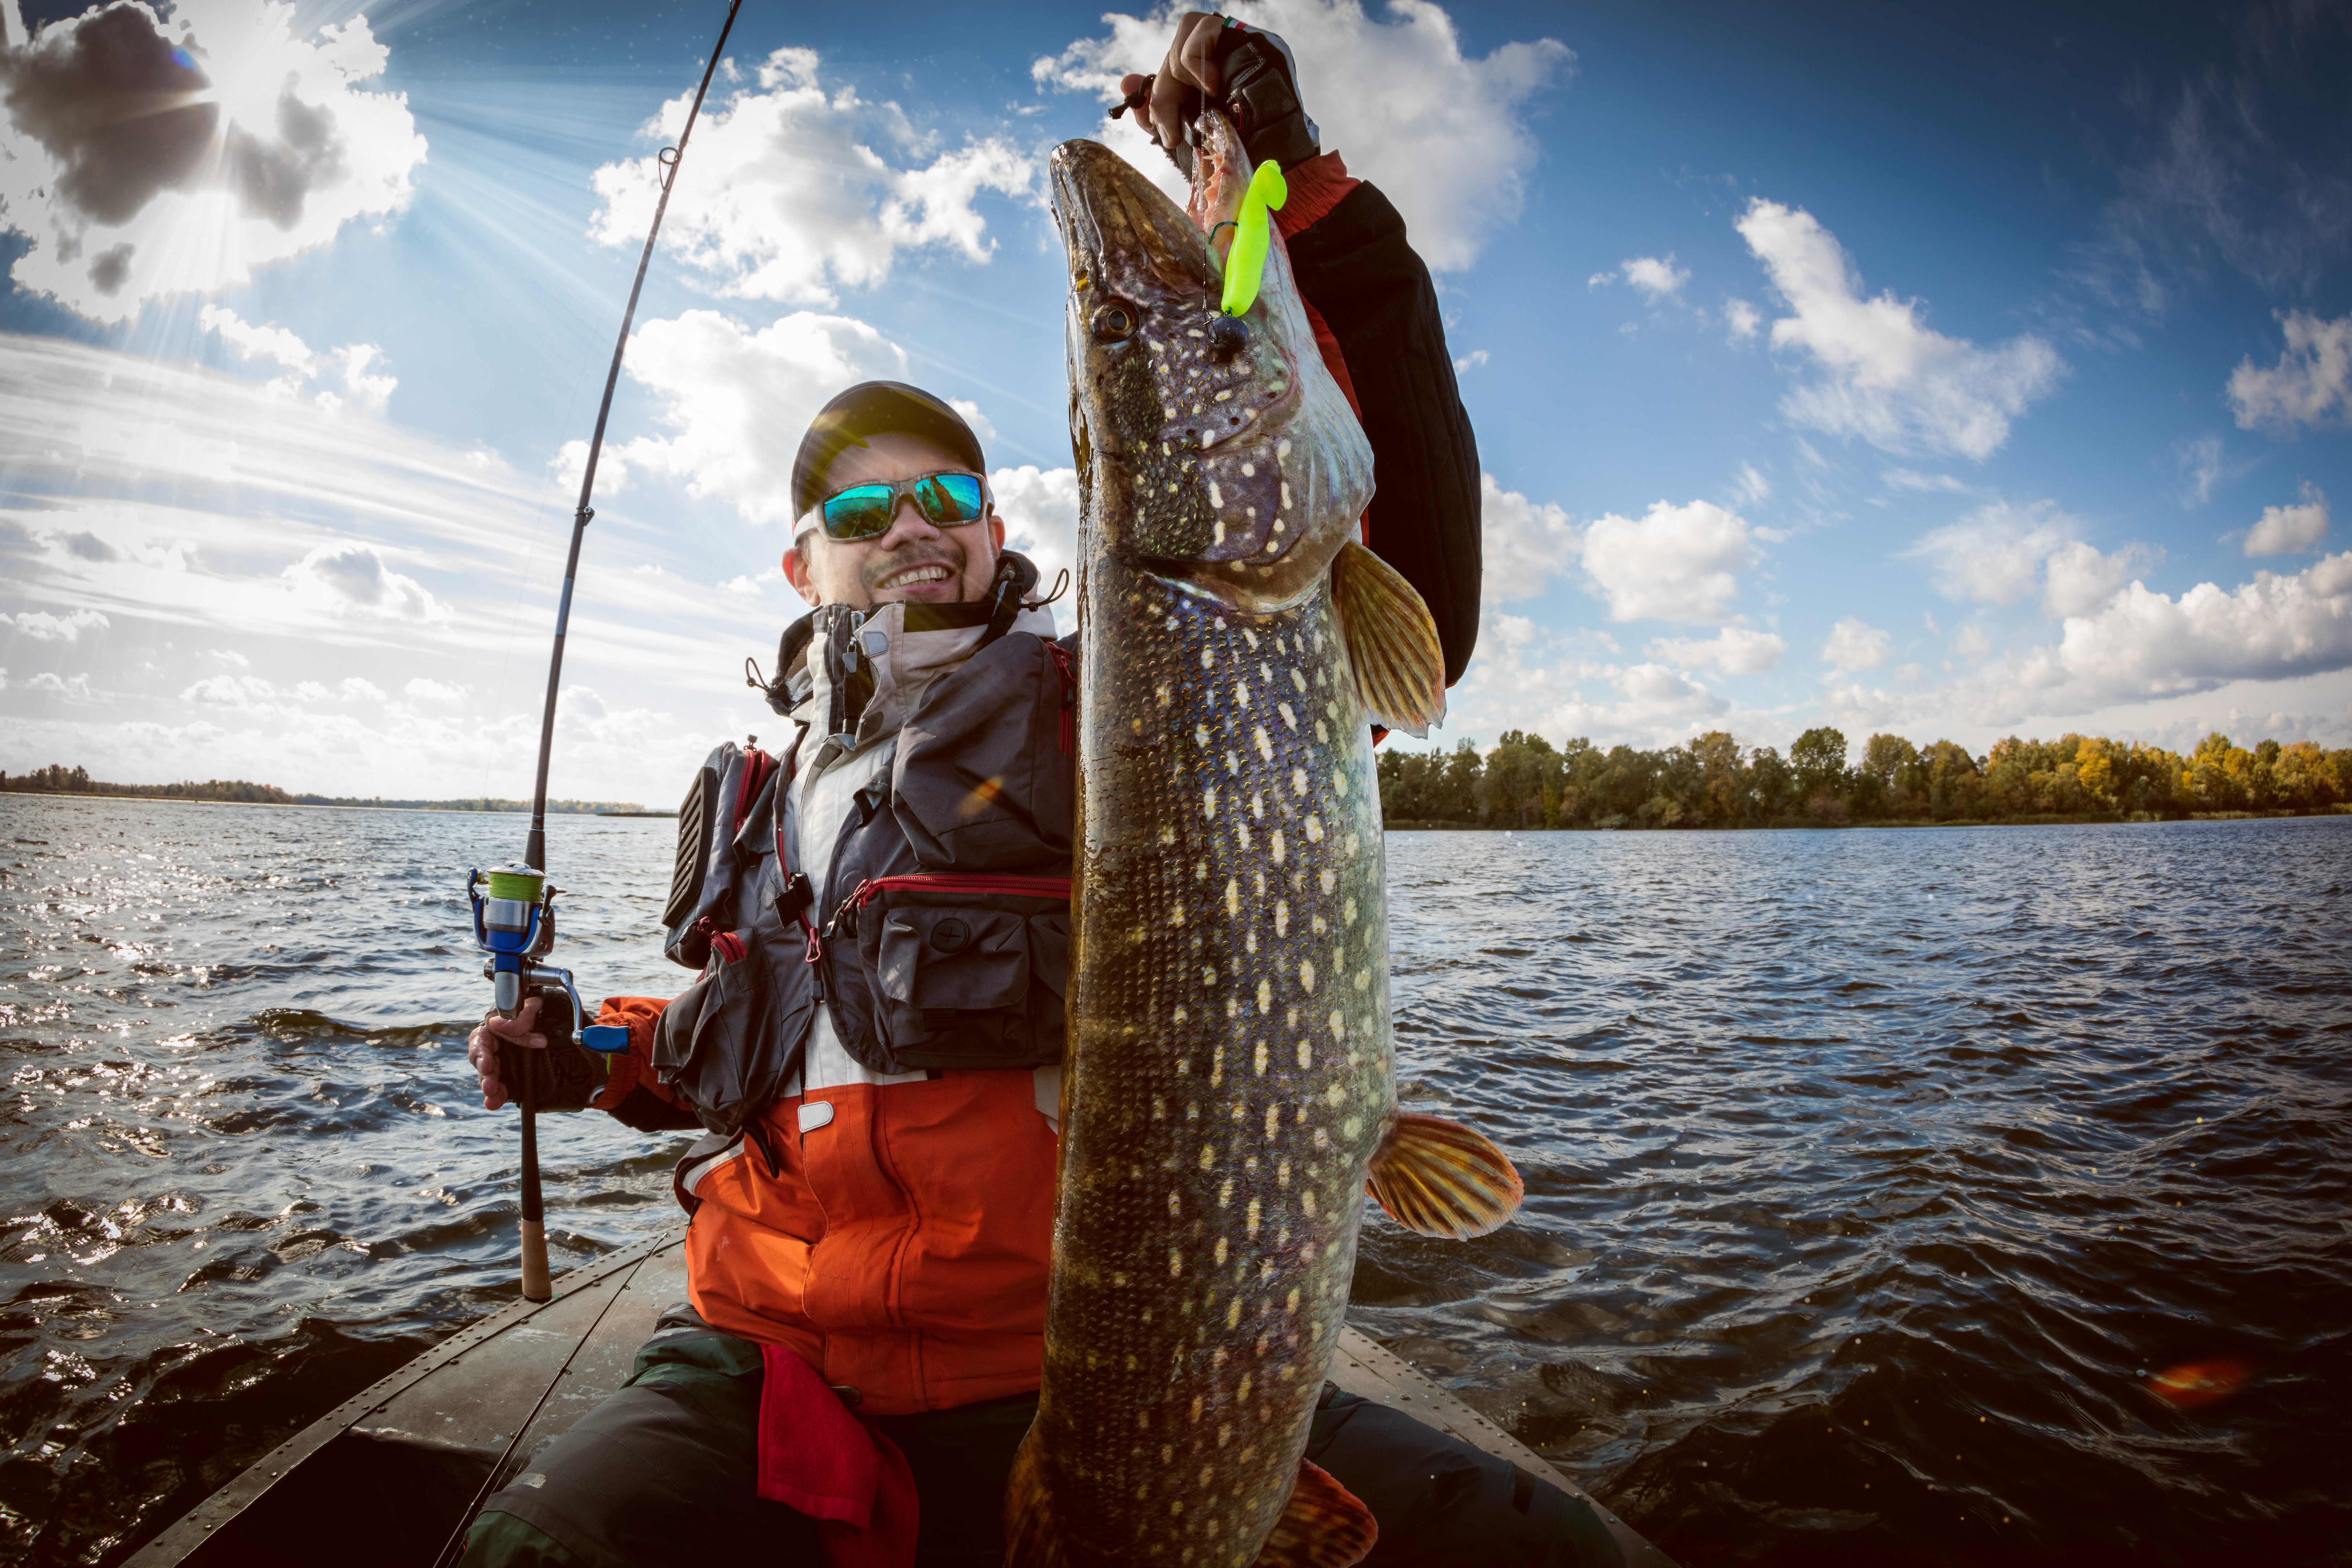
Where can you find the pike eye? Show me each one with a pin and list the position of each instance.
(1114, 321)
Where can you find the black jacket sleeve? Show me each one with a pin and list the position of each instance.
(1357, 270)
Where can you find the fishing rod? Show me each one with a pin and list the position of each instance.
(514, 906)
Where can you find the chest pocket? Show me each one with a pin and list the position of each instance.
(968, 971)
(716, 1042)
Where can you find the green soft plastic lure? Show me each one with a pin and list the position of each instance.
(1246, 262)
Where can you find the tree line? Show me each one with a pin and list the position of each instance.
(1713, 781)
(57, 779)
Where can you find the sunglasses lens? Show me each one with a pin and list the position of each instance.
(950, 498)
(860, 512)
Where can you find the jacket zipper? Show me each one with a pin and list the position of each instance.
(960, 882)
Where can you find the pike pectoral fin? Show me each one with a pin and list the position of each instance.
(1030, 1539)
(1392, 641)
(1323, 1527)
(1439, 1178)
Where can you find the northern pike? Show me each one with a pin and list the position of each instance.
(1228, 1085)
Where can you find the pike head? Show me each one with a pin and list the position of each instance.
(1213, 451)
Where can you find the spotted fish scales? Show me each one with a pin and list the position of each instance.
(1229, 1081)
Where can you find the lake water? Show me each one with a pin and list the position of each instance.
(1870, 1174)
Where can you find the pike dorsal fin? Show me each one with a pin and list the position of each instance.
(1323, 1527)
(1392, 641)
(1439, 1178)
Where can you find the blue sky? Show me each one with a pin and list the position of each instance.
(1952, 374)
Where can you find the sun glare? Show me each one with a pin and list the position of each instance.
(247, 76)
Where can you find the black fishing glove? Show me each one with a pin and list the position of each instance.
(1260, 97)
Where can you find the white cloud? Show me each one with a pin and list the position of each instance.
(424, 689)
(42, 626)
(1994, 555)
(371, 392)
(1524, 678)
(2311, 384)
(1886, 376)
(750, 584)
(789, 198)
(1970, 643)
(570, 465)
(1524, 543)
(1909, 480)
(1470, 361)
(1447, 134)
(2289, 529)
(1741, 319)
(353, 362)
(2001, 552)
(239, 693)
(1039, 508)
(351, 688)
(144, 157)
(273, 343)
(981, 426)
(1735, 650)
(1854, 645)
(2145, 644)
(350, 578)
(75, 687)
(1751, 486)
(739, 400)
(1677, 564)
(2078, 579)
(1655, 276)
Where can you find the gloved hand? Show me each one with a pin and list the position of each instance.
(1248, 73)
(566, 1078)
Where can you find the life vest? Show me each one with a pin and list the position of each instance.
(876, 1038)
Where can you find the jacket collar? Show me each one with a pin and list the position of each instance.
(857, 676)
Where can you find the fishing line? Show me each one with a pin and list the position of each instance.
(670, 158)
(514, 906)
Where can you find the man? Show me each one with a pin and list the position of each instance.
(879, 1206)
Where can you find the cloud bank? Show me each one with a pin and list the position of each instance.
(799, 189)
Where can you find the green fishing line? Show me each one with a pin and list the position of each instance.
(1246, 262)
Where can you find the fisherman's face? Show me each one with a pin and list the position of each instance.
(915, 560)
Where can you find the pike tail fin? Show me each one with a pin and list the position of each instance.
(1325, 1526)
(1439, 1178)
(1391, 642)
(1030, 1539)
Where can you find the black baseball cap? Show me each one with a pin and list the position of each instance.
(870, 409)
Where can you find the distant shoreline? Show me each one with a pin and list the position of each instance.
(444, 808)
(1806, 824)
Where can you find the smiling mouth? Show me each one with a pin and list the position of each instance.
(915, 576)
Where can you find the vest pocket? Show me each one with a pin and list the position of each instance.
(967, 986)
(711, 1044)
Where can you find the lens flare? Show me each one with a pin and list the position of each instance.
(2199, 1382)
